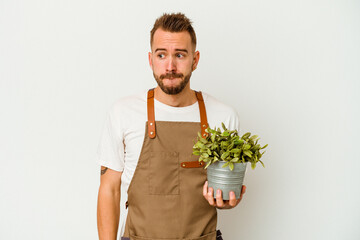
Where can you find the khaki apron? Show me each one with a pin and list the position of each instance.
(165, 198)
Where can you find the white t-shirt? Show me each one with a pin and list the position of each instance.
(124, 132)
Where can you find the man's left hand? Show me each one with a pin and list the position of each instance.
(208, 194)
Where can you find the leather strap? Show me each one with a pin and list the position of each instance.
(204, 125)
(151, 113)
(193, 164)
(203, 118)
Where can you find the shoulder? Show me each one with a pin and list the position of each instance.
(129, 103)
(219, 112)
(127, 109)
(217, 106)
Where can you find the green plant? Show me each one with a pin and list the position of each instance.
(229, 147)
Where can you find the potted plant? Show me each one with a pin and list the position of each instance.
(226, 155)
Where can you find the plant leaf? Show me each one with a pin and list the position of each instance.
(253, 138)
(246, 146)
(253, 165)
(225, 155)
(205, 155)
(231, 166)
(196, 153)
(199, 145)
(225, 165)
(246, 135)
(264, 146)
(225, 133)
(262, 163)
(235, 150)
(208, 164)
(248, 153)
(262, 153)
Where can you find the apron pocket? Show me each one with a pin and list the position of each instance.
(164, 173)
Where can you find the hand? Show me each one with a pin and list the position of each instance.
(219, 202)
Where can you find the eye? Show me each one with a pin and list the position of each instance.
(161, 55)
(179, 55)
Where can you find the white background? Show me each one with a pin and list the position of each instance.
(290, 68)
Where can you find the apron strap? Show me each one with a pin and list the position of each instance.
(203, 118)
(151, 114)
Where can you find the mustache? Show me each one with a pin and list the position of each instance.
(171, 75)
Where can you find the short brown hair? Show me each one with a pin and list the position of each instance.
(174, 22)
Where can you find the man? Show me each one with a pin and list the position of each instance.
(147, 143)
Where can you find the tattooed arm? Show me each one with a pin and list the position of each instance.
(108, 208)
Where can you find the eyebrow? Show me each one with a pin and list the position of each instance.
(177, 49)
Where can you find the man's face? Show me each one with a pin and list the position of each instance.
(172, 60)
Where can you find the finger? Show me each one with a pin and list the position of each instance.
(219, 199)
(243, 190)
(210, 197)
(205, 189)
(232, 199)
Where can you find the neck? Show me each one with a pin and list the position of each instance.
(185, 98)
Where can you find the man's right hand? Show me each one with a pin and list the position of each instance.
(218, 202)
(108, 208)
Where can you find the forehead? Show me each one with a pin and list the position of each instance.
(168, 40)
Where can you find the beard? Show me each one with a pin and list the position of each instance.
(174, 89)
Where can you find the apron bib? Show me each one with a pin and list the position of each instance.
(165, 198)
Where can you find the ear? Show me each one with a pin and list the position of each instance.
(196, 60)
(150, 59)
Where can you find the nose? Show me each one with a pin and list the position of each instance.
(171, 65)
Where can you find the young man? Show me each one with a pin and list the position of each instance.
(146, 148)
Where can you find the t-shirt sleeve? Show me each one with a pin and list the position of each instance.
(110, 152)
(233, 121)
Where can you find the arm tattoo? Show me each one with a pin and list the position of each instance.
(103, 171)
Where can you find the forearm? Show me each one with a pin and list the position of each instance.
(108, 212)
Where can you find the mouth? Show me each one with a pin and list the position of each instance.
(171, 77)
